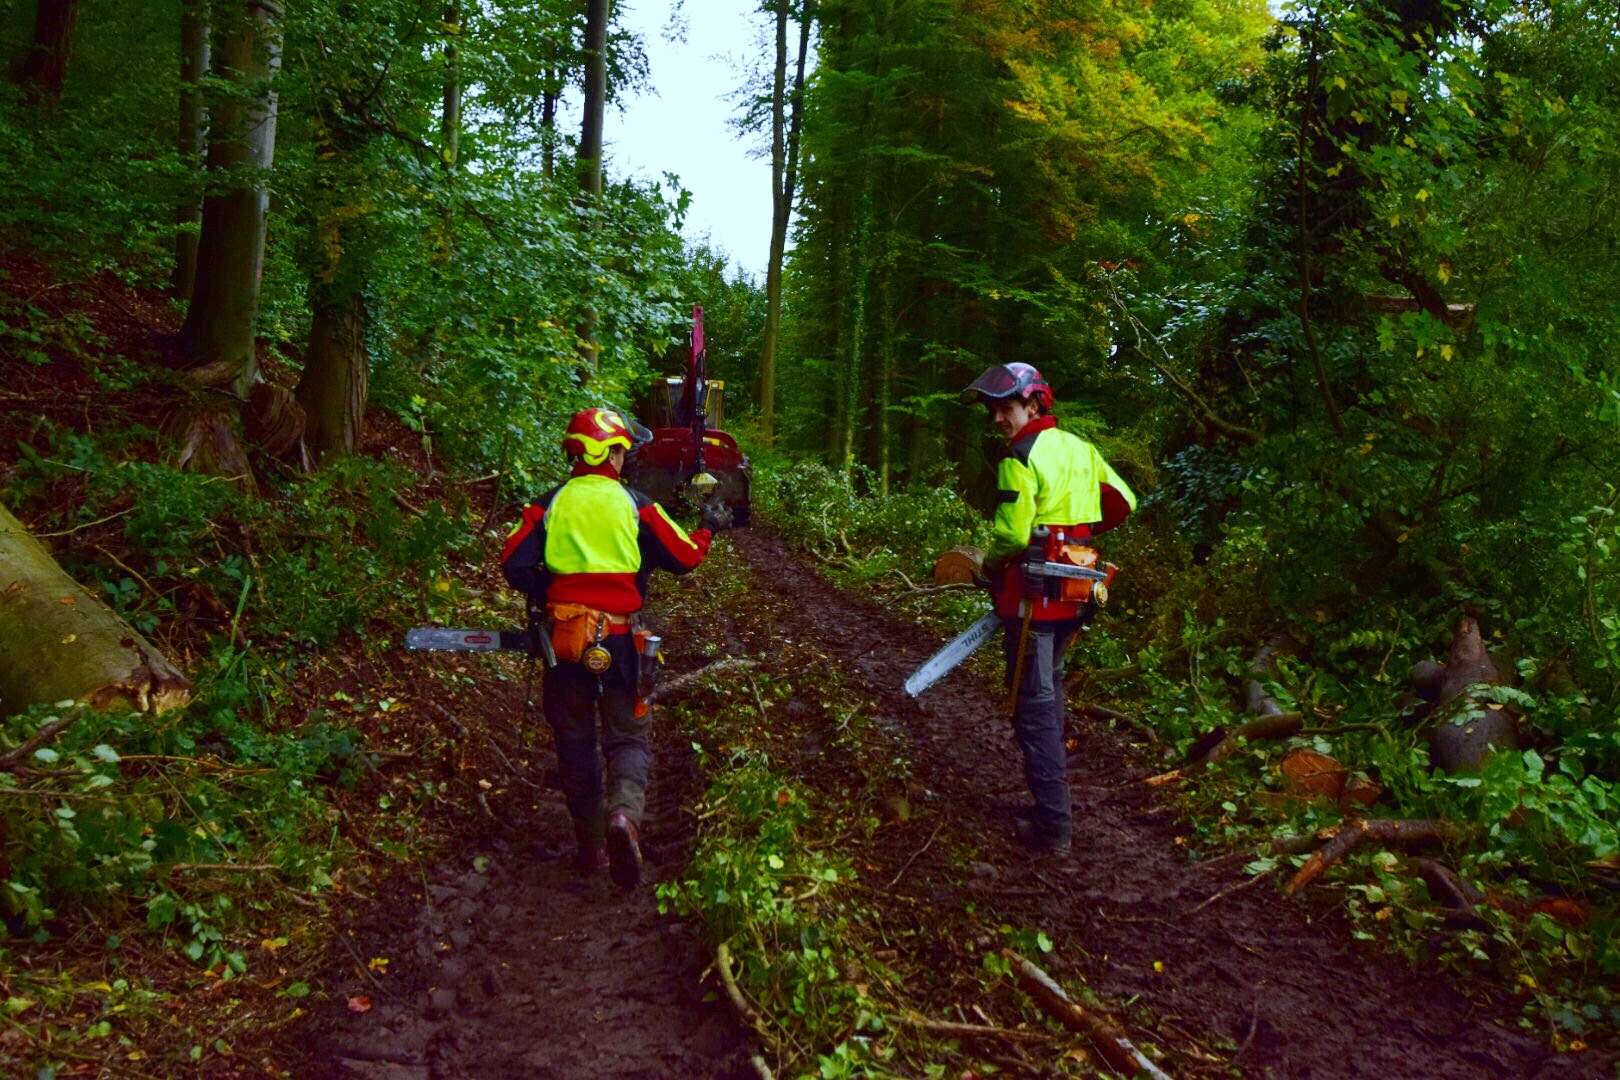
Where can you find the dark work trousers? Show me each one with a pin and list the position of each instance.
(1038, 718)
(573, 699)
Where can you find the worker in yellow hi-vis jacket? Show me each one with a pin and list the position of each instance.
(585, 550)
(1056, 492)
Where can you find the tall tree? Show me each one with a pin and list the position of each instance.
(450, 118)
(218, 332)
(787, 114)
(590, 152)
(42, 71)
(595, 88)
(193, 139)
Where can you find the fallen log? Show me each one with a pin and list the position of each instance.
(59, 643)
(1107, 1036)
(1342, 838)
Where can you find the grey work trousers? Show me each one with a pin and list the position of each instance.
(573, 699)
(1038, 719)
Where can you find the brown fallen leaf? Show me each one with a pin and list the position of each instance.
(360, 1003)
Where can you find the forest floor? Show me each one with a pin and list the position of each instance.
(556, 975)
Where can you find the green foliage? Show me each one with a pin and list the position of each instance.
(841, 509)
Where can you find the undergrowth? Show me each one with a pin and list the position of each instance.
(211, 830)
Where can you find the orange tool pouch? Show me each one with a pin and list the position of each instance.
(1077, 590)
(575, 628)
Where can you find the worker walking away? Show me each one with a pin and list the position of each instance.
(582, 554)
(1056, 493)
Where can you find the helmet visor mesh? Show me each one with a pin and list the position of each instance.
(998, 382)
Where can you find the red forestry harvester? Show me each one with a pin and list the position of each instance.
(690, 459)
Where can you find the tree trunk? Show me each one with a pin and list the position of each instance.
(218, 333)
(595, 91)
(786, 117)
(43, 68)
(590, 150)
(853, 370)
(58, 642)
(450, 122)
(548, 134)
(336, 370)
(193, 140)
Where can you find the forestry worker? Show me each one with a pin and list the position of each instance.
(583, 552)
(1046, 477)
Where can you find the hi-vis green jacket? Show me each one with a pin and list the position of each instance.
(595, 542)
(1049, 477)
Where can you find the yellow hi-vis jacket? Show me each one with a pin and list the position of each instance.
(595, 542)
(1049, 477)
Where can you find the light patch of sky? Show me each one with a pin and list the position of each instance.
(683, 124)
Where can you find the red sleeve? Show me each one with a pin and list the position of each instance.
(672, 547)
(1114, 509)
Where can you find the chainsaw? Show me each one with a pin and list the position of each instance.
(966, 643)
(532, 639)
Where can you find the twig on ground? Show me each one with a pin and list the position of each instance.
(222, 868)
(951, 1027)
(1343, 838)
(1110, 1041)
(1229, 890)
(88, 524)
(45, 734)
(918, 852)
(120, 564)
(758, 699)
(680, 682)
(746, 1012)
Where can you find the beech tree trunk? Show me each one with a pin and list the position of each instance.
(336, 370)
(450, 120)
(42, 71)
(193, 140)
(218, 333)
(59, 643)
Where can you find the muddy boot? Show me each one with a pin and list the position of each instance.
(623, 850)
(590, 851)
(1040, 841)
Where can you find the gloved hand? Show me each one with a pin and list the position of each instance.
(716, 516)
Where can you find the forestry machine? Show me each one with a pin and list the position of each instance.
(690, 460)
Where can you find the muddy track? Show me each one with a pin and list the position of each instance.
(503, 961)
(1279, 979)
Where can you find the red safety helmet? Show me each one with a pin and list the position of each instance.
(1011, 380)
(593, 433)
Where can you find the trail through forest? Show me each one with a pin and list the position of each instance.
(504, 961)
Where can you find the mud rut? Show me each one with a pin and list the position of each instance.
(506, 963)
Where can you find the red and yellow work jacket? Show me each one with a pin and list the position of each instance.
(1049, 477)
(595, 542)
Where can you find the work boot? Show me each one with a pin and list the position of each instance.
(591, 859)
(623, 850)
(1040, 841)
